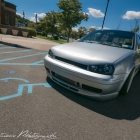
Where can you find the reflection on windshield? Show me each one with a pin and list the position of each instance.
(120, 39)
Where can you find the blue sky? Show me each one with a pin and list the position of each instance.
(123, 12)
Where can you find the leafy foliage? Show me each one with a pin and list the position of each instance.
(82, 31)
(136, 29)
(74, 34)
(137, 26)
(92, 29)
(21, 20)
(31, 31)
(49, 23)
(70, 15)
(32, 25)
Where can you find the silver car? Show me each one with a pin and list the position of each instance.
(100, 65)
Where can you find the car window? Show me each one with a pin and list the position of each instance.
(112, 38)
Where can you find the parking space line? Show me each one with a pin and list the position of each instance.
(19, 79)
(6, 48)
(25, 56)
(17, 51)
(21, 64)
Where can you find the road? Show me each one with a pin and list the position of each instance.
(31, 103)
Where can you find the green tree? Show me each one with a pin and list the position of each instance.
(136, 29)
(31, 24)
(49, 23)
(70, 15)
(74, 34)
(82, 31)
(92, 29)
(16, 20)
(21, 20)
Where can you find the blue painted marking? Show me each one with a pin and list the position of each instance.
(21, 64)
(16, 51)
(37, 62)
(20, 90)
(30, 86)
(12, 72)
(6, 47)
(20, 79)
(6, 80)
(22, 56)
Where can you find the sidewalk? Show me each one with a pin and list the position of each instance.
(35, 43)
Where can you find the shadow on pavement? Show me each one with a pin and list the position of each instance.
(123, 107)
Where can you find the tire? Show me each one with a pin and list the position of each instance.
(125, 88)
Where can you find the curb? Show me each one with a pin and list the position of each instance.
(13, 45)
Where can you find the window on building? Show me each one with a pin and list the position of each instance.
(7, 19)
(13, 20)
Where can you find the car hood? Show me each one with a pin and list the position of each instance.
(87, 53)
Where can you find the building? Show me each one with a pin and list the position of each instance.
(7, 13)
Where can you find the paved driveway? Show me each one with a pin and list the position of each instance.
(30, 103)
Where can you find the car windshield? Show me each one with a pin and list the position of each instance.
(120, 39)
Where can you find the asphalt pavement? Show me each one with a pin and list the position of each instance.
(32, 105)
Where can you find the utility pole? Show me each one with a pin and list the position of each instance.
(36, 18)
(105, 13)
(23, 17)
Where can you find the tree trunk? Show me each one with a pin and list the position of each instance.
(68, 35)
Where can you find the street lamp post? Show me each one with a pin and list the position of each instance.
(105, 13)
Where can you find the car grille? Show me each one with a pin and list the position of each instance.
(71, 62)
(92, 89)
(66, 80)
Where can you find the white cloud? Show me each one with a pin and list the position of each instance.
(105, 28)
(99, 28)
(20, 14)
(95, 13)
(39, 16)
(93, 27)
(131, 15)
(32, 19)
(75, 29)
(86, 13)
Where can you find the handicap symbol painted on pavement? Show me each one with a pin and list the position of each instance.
(21, 87)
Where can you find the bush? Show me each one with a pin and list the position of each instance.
(31, 32)
(55, 37)
(41, 33)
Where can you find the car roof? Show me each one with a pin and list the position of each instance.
(115, 30)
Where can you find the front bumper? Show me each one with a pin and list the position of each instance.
(93, 85)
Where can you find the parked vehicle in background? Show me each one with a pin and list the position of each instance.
(100, 65)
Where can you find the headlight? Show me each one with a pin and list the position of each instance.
(50, 53)
(102, 69)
